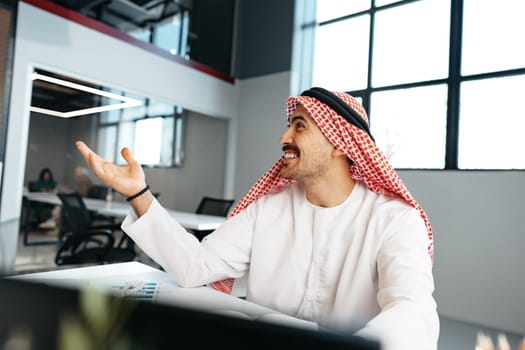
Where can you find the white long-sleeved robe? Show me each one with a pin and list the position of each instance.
(362, 265)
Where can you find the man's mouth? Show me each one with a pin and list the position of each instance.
(290, 152)
(290, 155)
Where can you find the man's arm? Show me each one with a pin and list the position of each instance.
(222, 254)
(408, 318)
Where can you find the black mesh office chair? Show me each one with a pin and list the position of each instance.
(212, 206)
(32, 187)
(97, 192)
(84, 242)
(100, 192)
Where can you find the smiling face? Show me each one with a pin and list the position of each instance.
(307, 152)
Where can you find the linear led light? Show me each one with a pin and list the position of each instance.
(126, 101)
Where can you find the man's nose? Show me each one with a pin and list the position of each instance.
(286, 137)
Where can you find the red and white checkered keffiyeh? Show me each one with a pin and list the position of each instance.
(369, 163)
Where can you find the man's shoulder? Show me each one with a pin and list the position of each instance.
(283, 193)
(385, 204)
(389, 213)
(270, 205)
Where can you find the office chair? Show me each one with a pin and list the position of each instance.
(97, 192)
(32, 187)
(84, 242)
(212, 206)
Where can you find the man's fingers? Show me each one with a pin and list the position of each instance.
(83, 149)
(86, 152)
(126, 154)
(94, 161)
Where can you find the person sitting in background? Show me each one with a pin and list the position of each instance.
(45, 182)
(45, 214)
(329, 234)
(83, 181)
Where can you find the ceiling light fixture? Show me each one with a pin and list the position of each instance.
(126, 101)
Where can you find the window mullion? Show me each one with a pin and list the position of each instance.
(117, 142)
(454, 81)
(368, 91)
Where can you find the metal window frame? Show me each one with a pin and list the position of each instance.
(177, 155)
(453, 81)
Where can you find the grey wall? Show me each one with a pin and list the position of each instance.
(82, 128)
(261, 122)
(477, 218)
(47, 141)
(264, 37)
(51, 145)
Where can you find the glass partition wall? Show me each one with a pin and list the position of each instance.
(106, 118)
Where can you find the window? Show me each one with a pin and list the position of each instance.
(342, 64)
(433, 75)
(153, 133)
(172, 34)
(411, 43)
(330, 9)
(409, 125)
(492, 36)
(492, 123)
(106, 141)
(164, 24)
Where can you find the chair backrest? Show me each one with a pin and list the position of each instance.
(87, 243)
(214, 206)
(97, 191)
(76, 215)
(32, 187)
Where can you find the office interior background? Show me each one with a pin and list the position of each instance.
(442, 81)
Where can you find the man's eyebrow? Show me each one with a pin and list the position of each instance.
(297, 117)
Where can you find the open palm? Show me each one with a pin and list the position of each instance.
(126, 179)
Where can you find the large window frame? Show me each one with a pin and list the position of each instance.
(125, 129)
(453, 81)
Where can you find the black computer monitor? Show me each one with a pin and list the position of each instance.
(44, 313)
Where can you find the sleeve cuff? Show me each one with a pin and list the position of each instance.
(132, 223)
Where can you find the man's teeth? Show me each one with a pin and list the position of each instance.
(290, 156)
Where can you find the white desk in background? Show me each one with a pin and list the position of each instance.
(167, 292)
(119, 210)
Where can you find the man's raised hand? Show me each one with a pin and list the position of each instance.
(126, 179)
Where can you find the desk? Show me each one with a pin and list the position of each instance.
(50, 312)
(168, 292)
(119, 210)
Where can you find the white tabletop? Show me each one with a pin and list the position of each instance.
(168, 291)
(120, 209)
